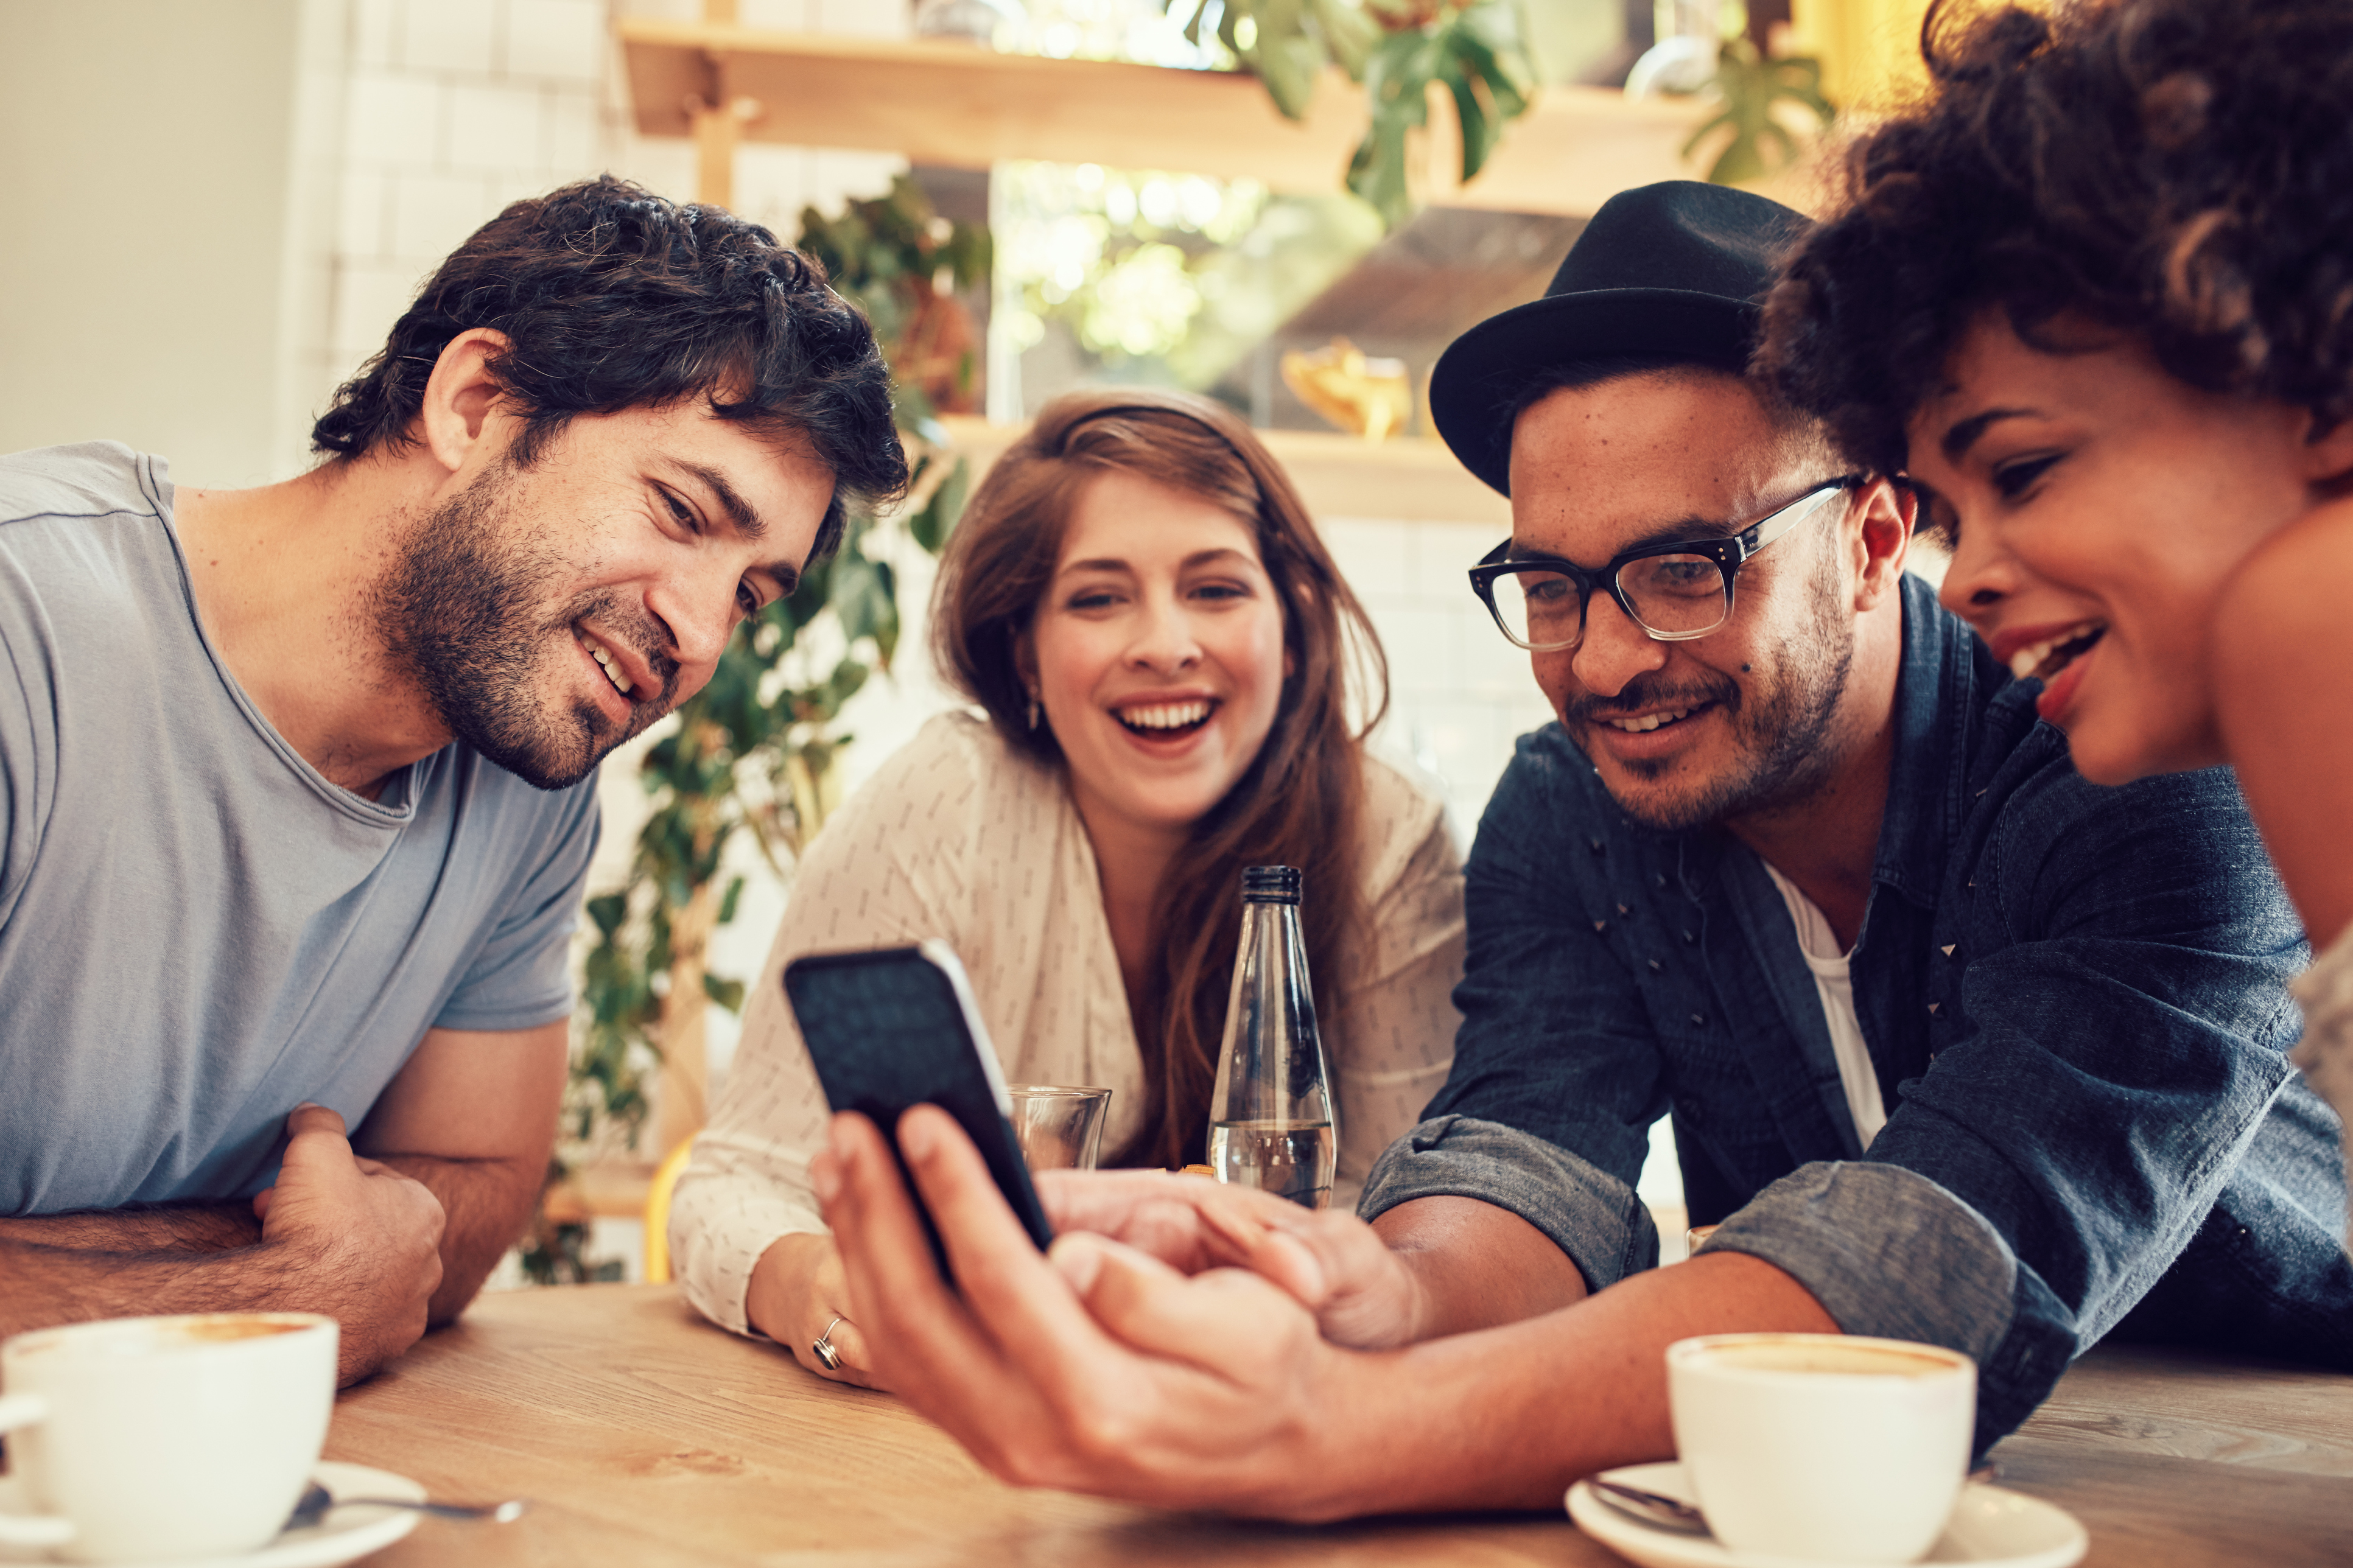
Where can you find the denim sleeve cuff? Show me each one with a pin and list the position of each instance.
(1589, 1215)
(1886, 1251)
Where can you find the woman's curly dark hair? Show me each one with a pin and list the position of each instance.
(2181, 170)
(612, 297)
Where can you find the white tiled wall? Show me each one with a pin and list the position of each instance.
(1459, 693)
(454, 108)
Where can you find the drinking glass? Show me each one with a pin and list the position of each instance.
(1061, 1128)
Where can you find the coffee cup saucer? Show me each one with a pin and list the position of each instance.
(1990, 1526)
(342, 1536)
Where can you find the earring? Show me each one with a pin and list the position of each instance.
(1033, 710)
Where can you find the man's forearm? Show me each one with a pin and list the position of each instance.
(83, 1277)
(489, 1203)
(1509, 1416)
(160, 1228)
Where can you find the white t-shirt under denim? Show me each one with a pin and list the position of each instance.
(2325, 992)
(1835, 985)
(963, 838)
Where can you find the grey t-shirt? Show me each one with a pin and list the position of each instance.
(198, 933)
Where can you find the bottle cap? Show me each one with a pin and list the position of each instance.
(1271, 885)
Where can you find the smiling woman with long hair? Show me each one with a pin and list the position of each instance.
(1175, 684)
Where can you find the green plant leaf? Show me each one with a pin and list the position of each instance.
(1747, 89)
(728, 994)
(1287, 56)
(1349, 35)
(931, 526)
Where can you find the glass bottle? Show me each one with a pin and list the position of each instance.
(1271, 1117)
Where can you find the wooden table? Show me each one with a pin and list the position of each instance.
(649, 1438)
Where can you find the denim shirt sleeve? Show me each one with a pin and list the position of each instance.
(1555, 1053)
(2114, 1048)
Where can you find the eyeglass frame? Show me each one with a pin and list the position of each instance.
(1730, 554)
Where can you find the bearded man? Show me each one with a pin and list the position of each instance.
(1958, 1047)
(297, 783)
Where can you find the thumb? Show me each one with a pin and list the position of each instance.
(1287, 1261)
(1283, 1255)
(311, 1117)
(1151, 1307)
(261, 1202)
(314, 1131)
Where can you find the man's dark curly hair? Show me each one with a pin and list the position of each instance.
(612, 297)
(2180, 170)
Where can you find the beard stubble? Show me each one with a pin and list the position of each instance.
(464, 608)
(1777, 727)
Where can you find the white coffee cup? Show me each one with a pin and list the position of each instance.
(154, 1439)
(1832, 1448)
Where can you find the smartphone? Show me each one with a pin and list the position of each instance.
(896, 1026)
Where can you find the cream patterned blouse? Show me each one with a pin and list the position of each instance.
(961, 838)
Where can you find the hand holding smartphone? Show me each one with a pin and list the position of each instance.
(895, 1028)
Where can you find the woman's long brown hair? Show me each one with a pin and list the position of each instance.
(1301, 803)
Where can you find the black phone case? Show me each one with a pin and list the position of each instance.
(886, 1031)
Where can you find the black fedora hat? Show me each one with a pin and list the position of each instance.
(1678, 269)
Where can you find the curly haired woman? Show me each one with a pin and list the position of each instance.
(2096, 295)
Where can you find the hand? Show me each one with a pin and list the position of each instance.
(362, 1240)
(1332, 1263)
(1101, 1371)
(798, 1291)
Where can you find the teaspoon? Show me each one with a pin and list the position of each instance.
(318, 1503)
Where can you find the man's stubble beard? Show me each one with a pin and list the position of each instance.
(1778, 731)
(462, 609)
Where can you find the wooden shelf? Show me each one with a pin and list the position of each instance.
(613, 1189)
(965, 107)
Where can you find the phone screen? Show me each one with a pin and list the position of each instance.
(895, 1028)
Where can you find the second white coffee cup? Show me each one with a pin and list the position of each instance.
(147, 1439)
(1832, 1448)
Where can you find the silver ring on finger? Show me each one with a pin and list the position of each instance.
(822, 1348)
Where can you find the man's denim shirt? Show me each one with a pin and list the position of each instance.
(2073, 997)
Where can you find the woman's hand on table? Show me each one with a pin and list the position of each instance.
(799, 1294)
(1100, 1370)
(1333, 1263)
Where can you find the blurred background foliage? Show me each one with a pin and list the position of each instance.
(1750, 88)
(1166, 279)
(1476, 50)
(751, 756)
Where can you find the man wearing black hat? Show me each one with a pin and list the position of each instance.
(1958, 1047)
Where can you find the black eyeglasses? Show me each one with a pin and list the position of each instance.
(1674, 591)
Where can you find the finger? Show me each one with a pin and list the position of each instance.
(849, 1343)
(1188, 1221)
(1009, 1289)
(1284, 1260)
(317, 1140)
(895, 1287)
(308, 1117)
(924, 1340)
(1346, 1253)
(1224, 1322)
(261, 1201)
(1105, 1201)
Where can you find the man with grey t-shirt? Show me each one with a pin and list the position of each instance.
(297, 783)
